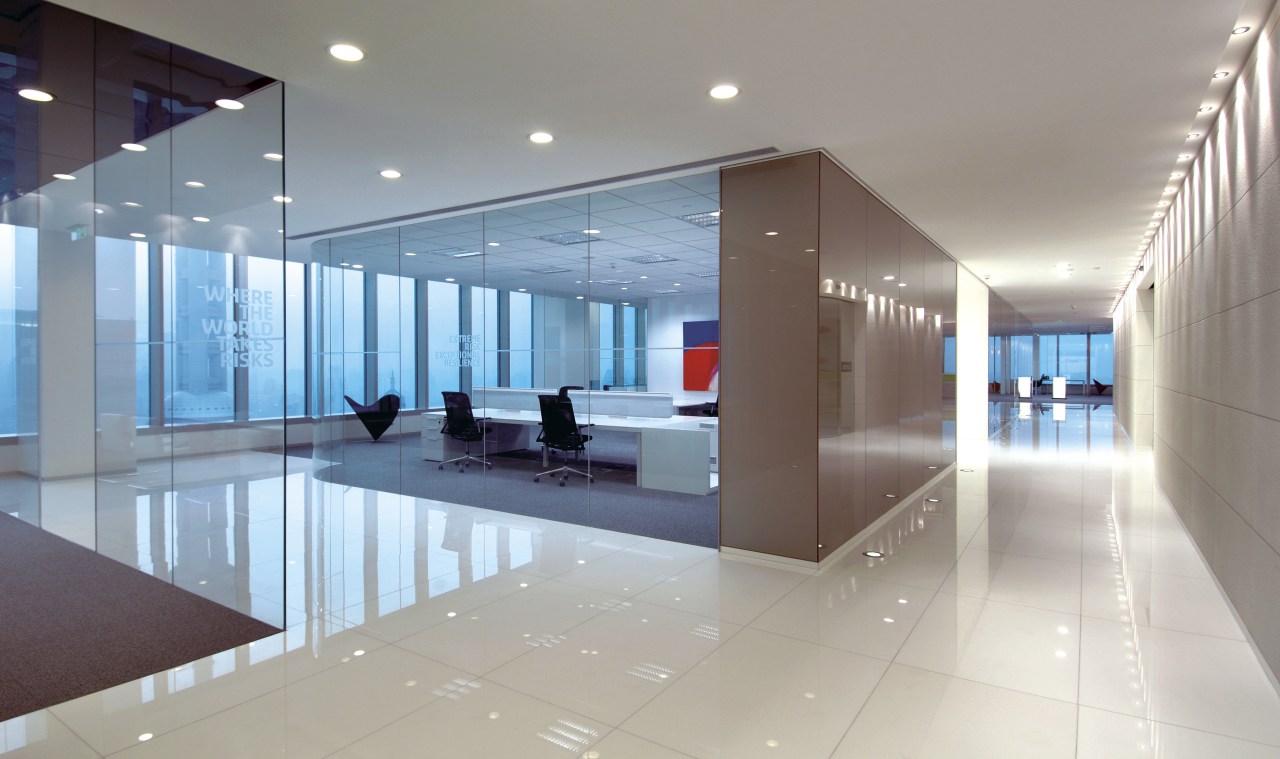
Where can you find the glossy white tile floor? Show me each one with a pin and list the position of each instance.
(1048, 605)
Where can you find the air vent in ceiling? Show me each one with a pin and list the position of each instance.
(613, 281)
(547, 270)
(649, 258)
(705, 219)
(568, 238)
(666, 292)
(707, 274)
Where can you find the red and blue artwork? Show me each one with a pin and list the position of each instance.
(702, 355)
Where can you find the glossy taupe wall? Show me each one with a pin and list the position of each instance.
(832, 404)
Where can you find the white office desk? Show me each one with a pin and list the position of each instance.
(675, 453)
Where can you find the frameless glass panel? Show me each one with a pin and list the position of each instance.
(1073, 358)
(1102, 358)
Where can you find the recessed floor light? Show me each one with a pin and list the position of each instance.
(273, 156)
(873, 554)
(201, 219)
(1240, 30)
(196, 185)
(346, 52)
(138, 235)
(39, 96)
(494, 244)
(133, 146)
(68, 177)
(1222, 75)
(541, 138)
(282, 198)
(723, 91)
(229, 104)
(390, 174)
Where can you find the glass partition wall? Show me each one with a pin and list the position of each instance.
(613, 292)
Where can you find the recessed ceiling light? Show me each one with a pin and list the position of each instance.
(99, 210)
(590, 231)
(133, 146)
(1240, 30)
(889, 278)
(200, 218)
(771, 234)
(626, 302)
(541, 138)
(273, 156)
(357, 266)
(131, 204)
(1185, 157)
(1206, 108)
(145, 737)
(282, 198)
(524, 289)
(873, 554)
(580, 297)
(932, 500)
(68, 177)
(1222, 75)
(1175, 175)
(344, 263)
(644, 276)
(138, 235)
(346, 52)
(494, 244)
(675, 284)
(390, 174)
(196, 185)
(1193, 135)
(229, 104)
(450, 279)
(410, 253)
(39, 96)
(723, 91)
(902, 284)
(889, 620)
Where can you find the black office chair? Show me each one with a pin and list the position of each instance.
(561, 432)
(377, 417)
(564, 391)
(714, 410)
(460, 424)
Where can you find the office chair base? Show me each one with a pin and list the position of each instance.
(563, 473)
(466, 458)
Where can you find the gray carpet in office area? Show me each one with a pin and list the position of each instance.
(612, 502)
(73, 622)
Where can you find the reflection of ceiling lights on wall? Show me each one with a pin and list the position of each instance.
(568, 238)
(705, 219)
(649, 258)
(546, 270)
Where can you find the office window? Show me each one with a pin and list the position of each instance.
(142, 332)
(397, 342)
(606, 344)
(442, 342)
(343, 300)
(1048, 356)
(1102, 358)
(1073, 358)
(629, 331)
(18, 247)
(199, 321)
(484, 337)
(260, 347)
(520, 330)
(949, 356)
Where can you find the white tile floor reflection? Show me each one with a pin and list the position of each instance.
(1047, 605)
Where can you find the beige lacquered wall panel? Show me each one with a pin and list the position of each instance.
(842, 352)
(769, 308)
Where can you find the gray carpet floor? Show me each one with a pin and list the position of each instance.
(73, 622)
(612, 502)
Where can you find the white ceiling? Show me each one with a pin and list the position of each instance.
(1015, 133)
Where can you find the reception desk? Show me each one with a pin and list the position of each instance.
(674, 453)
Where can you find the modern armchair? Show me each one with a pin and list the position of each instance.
(1100, 389)
(377, 417)
(561, 432)
(460, 424)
